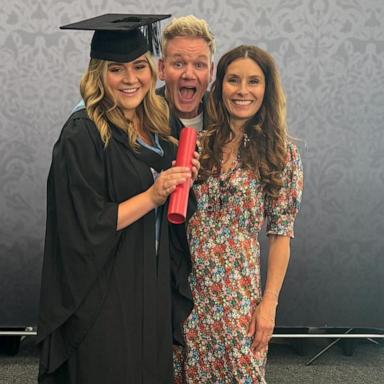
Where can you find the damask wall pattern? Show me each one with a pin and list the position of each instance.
(331, 58)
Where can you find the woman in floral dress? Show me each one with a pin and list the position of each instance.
(249, 172)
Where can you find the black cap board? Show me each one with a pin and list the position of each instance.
(122, 37)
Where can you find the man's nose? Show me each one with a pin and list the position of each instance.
(189, 72)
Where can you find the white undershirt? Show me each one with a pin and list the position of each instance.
(195, 122)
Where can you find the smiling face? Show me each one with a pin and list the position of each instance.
(243, 90)
(128, 83)
(186, 70)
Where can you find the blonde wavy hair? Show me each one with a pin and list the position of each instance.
(266, 152)
(102, 108)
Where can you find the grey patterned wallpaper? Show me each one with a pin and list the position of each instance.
(331, 56)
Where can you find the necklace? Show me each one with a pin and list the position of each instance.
(229, 159)
(246, 139)
(220, 189)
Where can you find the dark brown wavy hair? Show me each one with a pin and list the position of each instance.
(266, 150)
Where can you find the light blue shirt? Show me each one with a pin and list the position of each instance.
(80, 105)
(157, 148)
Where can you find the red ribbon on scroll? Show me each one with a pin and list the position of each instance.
(178, 202)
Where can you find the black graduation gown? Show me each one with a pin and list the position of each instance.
(110, 305)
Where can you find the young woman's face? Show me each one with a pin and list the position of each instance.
(243, 89)
(129, 83)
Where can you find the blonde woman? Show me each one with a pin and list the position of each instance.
(106, 295)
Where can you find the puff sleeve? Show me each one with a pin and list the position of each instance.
(281, 210)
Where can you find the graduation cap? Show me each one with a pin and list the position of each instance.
(122, 37)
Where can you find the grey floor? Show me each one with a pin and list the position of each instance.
(285, 366)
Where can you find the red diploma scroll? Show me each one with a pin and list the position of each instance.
(178, 201)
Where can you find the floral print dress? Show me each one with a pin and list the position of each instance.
(225, 278)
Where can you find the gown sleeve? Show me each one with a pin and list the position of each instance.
(282, 209)
(81, 239)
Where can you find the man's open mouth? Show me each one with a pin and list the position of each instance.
(187, 93)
